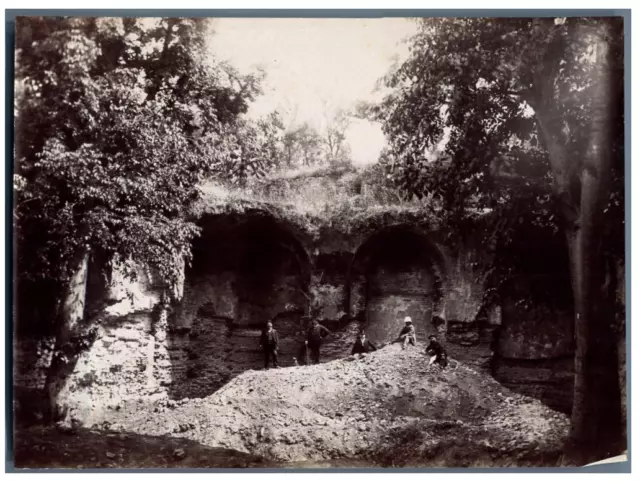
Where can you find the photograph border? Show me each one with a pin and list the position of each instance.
(10, 16)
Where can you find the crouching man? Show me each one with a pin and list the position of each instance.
(408, 333)
(362, 345)
(436, 352)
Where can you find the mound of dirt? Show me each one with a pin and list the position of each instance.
(389, 405)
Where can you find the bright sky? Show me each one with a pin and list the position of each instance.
(313, 63)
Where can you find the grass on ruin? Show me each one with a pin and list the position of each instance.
(344, 198)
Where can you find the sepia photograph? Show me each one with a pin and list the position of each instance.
(388, 242)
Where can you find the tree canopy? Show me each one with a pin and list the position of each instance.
(520, 122)
(304, 145)
(117, 120)
(464, 119)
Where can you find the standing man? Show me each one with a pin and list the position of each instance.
(315, 337)
(437, 352)
(362, 345)
(303, 354)
(408, 333)
(269, 345)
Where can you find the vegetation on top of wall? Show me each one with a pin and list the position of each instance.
(341, 198)
(233, 202)
(334, 171)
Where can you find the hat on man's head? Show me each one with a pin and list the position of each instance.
(407, 319)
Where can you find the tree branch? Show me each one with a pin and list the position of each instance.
(163, 56)
(523, 93)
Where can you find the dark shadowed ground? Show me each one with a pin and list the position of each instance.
(48, 447)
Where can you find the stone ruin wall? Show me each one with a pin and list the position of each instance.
(210, 334)
(122, 365)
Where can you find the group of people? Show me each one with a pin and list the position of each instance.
(316, 333)
(435, 350)
(309, 353)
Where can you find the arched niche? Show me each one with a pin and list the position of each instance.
(398, 271)
(247, 269)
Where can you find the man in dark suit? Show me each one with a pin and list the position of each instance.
(269, 345)
(315, 337)
(362, 345)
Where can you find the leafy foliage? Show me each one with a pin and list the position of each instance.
(117, 121)
(335, 147)
(464, 123)
(302, 145)
(320, 202)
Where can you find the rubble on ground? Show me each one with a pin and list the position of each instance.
(359, 407)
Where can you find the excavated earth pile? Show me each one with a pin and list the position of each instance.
(388, 406)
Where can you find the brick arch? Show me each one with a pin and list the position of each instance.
(247, 269)
(397, 271)
(260, 226)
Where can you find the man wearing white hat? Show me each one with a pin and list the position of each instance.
(408, 333)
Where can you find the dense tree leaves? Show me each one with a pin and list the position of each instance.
(520, 122)
(117, 123)
(464, 119)
(117, 120)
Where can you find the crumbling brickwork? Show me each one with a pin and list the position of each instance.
(252, 269)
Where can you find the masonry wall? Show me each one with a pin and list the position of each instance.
(240, 278)
(395, 273)
(246, 271)
(392, 295)
(535, 346)
(329, 278)
(463, 296)
(119, 368)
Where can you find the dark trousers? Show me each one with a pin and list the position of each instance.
(314, 348)
(442, 360)
(270, 354)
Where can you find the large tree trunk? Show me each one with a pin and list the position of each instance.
(596, 415)
(583, 189)
(622, 380)
(619, 268)
(68, 326)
